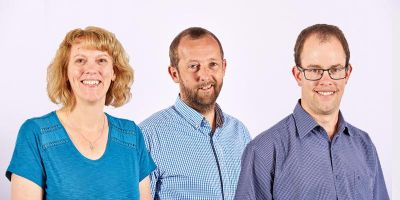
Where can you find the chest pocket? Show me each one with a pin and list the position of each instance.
(363, 186)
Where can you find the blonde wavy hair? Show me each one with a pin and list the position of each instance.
(58, 86)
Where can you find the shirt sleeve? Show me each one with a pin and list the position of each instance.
(255, 180)
(27, 160)
(150, 144)
(147, 164)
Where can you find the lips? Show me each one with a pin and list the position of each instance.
(206, 86)
(90, 82)
(325, 92)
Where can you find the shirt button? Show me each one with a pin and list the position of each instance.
(337, 176)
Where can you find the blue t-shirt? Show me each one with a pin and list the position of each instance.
(45, 155)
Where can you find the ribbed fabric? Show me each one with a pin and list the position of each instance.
(45, 155)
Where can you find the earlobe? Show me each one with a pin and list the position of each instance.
(173, 72)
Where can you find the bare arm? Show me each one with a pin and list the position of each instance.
(144, 189)
(22, 188)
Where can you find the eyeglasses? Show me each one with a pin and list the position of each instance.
(336, 73)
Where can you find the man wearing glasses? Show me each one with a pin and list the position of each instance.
(314, 153)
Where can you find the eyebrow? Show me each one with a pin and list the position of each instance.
(320, 67)
(97, 56)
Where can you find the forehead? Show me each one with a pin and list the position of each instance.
(203, 45)
(326, 52)
(80, 47)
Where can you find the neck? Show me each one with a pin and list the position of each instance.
(328, 122)
(86, 117)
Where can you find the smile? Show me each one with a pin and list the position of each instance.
(91, 82)
(206, 87)
(325, 93)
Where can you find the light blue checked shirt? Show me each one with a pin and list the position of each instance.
(191, 164)
(296, 160)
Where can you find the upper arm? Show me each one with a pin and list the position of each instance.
(144, 189)
(27, 159)
(22, 188)
(256, 175)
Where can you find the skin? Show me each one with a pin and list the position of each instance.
(90, 73)
(321, 99)
(200, 74)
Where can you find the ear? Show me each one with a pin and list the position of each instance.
(224, 65)
(348, 73)
(297, 75)
(174, 73)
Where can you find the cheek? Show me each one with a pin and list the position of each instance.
(73, 74)
(109, 72)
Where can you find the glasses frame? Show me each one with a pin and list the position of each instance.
(302, 69)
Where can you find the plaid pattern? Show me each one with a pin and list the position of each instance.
(296, 160)
(179, 141)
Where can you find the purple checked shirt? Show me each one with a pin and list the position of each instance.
(296, 160)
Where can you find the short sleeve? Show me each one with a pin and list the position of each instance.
(146, 163)
(27, 160)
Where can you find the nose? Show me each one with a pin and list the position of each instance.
(204, 73)
(91, 67)
(325, 79)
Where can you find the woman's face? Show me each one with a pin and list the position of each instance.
(90, 73)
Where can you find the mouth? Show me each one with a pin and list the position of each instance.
(325, 93)
(91, 82)
(206, 86)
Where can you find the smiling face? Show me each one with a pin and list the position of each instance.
(321, 97)
(90, 73)
(200, 72)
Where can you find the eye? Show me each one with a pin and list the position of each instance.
(80, 61)
(335, 70)
(315, 71)
(102, 61)
(193, 67)
(213, 65)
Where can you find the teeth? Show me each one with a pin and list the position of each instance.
(90, 82)
(206, 87)
(325, 93)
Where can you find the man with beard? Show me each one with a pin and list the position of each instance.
(197, 148)
(314, 153)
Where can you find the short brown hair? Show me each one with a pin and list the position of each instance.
(58, 86)
(194, 33)
(323, 32)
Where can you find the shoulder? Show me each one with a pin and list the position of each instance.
(277, 135)
(229, 119)
(121, 123)
(165, 116)
(39, 124)
(234, 123)
(361, 138)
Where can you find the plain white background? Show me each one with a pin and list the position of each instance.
(258, 38)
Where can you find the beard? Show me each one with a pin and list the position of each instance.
(202, 103)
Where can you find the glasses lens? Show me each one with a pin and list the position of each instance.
(337, 73)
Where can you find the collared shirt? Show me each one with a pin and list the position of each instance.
(295, 159)
(193, 162)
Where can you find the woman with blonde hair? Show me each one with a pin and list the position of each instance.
(79, 151)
